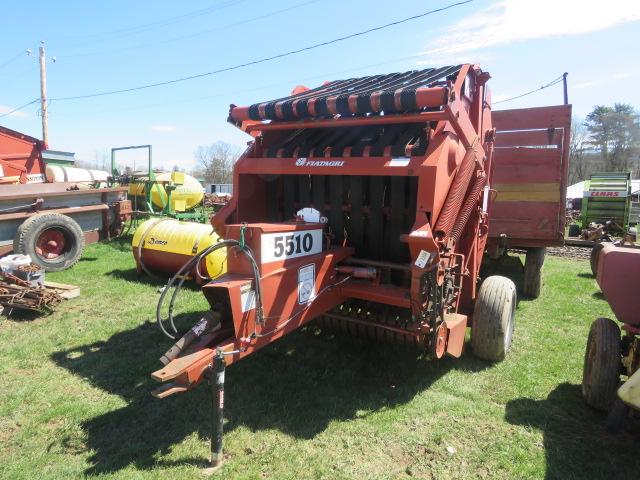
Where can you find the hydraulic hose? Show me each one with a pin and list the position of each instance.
(189, 265)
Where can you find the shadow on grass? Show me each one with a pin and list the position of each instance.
(121, 243)
(132, 275)
(18, 315)
(598, 295)
(297, 385)
(160, 280)
(586, 275)
(508, 266)
(575, 441)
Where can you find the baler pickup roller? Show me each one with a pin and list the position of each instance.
(394, 93)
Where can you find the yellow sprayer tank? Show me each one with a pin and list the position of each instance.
(187, 194)
(167, 244)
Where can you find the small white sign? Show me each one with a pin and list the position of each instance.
(423, 259)
(306, 283)
(399, 162)
(286, 245)
(247, 298)
(35, 178)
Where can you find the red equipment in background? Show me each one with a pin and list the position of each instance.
(609, 354)
(20, 158)
(394, 169)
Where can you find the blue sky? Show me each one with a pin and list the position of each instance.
(118, 44)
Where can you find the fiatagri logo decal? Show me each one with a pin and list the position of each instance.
(303, 162)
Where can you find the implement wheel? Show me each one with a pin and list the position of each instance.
(52, 240)
(533, 272)
(493, 319)
(602, 361)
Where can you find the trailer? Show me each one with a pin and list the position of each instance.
(51, 222)
(531, 160)
(363, 204)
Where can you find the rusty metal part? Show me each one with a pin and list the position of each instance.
(16, 293)
(29, 268)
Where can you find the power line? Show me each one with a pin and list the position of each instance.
(11, 60)
(550, 84)
(191, 35)
(20, 108)
(125, 32)
(288, 83)
(266, 59)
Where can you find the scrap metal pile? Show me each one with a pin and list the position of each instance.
(16, 293)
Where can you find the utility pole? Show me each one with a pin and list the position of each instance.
(564, 85)
(43, 96)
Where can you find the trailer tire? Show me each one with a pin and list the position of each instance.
(593, 259)
(602, 361)
(52, 240)
(493, 319)
(533, 272)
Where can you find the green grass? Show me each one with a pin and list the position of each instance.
(74, 396)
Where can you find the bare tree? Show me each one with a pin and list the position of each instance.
(216, 161)
(578, 147)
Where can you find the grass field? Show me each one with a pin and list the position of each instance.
(74, 396)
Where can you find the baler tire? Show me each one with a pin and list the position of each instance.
(593, 259)
(602, 364)
(493, 319)
(30, 231)
(533, 272)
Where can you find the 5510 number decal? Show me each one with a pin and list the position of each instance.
(285, 245)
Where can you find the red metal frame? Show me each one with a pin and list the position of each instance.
(449, 226)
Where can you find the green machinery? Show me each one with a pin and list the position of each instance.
(607, 196)
(171, 194)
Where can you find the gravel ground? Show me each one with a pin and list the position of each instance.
(570, 252)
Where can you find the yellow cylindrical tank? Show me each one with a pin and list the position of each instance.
(167, 244)
(187, 194)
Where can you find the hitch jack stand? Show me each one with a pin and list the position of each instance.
(216, 380)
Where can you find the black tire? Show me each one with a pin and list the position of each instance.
(31, 231)
(574, 230)
(493, 319)
(533, 272)
(593, 259)
(602, 363)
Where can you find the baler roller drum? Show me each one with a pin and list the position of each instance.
(397, 92)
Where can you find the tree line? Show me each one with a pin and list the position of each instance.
(607, 140)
